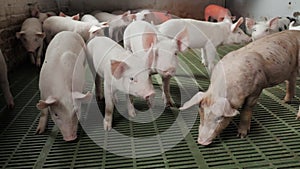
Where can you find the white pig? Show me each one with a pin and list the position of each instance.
(139, 35)
(264, 28)
(154, 17)
(4, 83)
(117, 23)
(239, 78)
(206, 35)
(56, 24)
(122, 71)
(61, 83)
(32, 36)
(90, 19)
(42, 16)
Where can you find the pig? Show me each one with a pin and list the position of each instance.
(216, 13)
(42, 16)
(139, 35)
(90, 19)
(117, 23)
(239, 78)
(261, 29)
(206, 35)
(74, 17)
(154, 17)
(122, 71)
(292, 27)
(32, 37)
(56, 24)
(61, 84)
(4, 83)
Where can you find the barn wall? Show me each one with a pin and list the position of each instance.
(259, 9)
(14, 12)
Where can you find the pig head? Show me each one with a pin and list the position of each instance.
(32, 37)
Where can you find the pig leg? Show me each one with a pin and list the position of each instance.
(166, 92)
(210, 52)
(42, 122)
(245, 118)
(290, 88)
(109, 107)
(7, 94)
(98, 88)
(38, 56)
(298, 115)
(131, 109)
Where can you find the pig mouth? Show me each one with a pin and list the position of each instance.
(70, 138)
(204, 142)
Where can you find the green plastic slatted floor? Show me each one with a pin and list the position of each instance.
(273, 141)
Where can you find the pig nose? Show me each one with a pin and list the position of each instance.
(204, 142)
(71, 137)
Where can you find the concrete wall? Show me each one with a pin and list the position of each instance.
(14, 12)
(259, 9)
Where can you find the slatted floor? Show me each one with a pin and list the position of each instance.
(272, 143)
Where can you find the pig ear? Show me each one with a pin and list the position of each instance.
(150, 57)
(62, 14)
(222, 107)
(44, 104)
(237, 24)
(149, 38)
(250, 23)
(41, 34)
(19, 34)
(273, 23)
(103, 24)
(76, 17)
(182, 39)
(196, 99)
(94, 29)
(118, 68)
(82, 97)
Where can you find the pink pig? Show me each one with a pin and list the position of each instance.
(215, 12)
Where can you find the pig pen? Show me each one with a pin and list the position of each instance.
(273, 141)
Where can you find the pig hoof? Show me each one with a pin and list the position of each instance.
(298, 117)
(39, 130)
(242, 133)
(107, 125)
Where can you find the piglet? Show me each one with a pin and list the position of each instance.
(122, 71)
(61, 83)
(206, 35)
(139, 35)
(264, 28)
(216, 13)
(4, 83)
(32, 36)
(239, 78)
(56, 24)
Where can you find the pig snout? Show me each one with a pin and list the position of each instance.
(204, 142)
(71, 137)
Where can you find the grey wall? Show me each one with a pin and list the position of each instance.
(259, 9)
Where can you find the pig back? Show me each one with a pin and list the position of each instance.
(65, 51)
(101, 50)
(280, 53)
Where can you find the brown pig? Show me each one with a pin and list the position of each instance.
(239, 78)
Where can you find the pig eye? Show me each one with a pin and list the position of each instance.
(131, 78)
(175, 53)
(267, 30)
